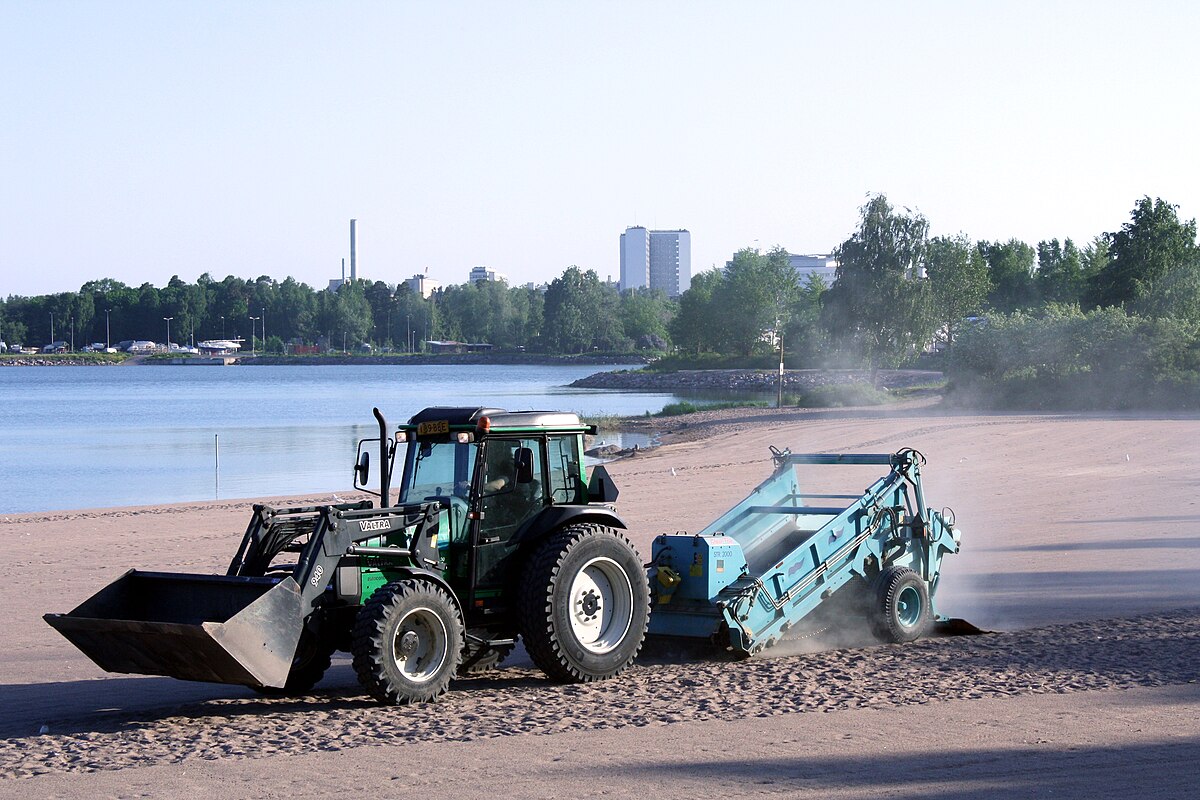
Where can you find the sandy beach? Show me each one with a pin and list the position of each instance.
(1081, 551)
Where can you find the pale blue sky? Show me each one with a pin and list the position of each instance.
(141, 140)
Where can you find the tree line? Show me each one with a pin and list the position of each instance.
(897, 290)
(576, 313)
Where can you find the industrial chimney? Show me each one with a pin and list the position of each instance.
(353, 262)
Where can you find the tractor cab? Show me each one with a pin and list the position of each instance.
(503, 479)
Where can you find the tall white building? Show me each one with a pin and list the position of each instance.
(657, 260)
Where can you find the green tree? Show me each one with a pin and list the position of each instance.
(754, 298)
(958, 280)
(1149, 248)
(806, 340)
(645, 316)
(1010, 269)
(695, 327)
(1060, 272)
(879, 307)
(581, 314)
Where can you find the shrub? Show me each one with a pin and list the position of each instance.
(1065, 358)
(839, 395)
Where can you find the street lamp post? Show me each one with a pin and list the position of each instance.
(107, 334)
(222, 327)
(72, 334)
(264, 328)
(51, 327)
(252, 321)
(168, 321)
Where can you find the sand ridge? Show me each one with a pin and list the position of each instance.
(1145, 651)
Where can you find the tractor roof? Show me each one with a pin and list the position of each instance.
(499, 417)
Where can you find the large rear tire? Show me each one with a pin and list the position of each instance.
(408, 642)
(584, 604)
(902, 612)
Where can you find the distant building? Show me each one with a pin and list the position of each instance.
(423, 285)
(656, 260)
(824, 266)
(485, 274)
(457, 347)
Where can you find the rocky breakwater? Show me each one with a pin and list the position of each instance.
(35, 361)
(749, 380)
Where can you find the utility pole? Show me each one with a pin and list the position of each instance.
(168, 320)
(72, 334)
(264, 328)
(252, 321)
(779, 333)
(107, 334)
(51, 327)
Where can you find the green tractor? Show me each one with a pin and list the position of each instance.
(496, 534)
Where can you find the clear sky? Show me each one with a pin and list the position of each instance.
(139, 140)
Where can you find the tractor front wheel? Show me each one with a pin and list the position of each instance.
(584, 604)
(408, 641)
(314, 654)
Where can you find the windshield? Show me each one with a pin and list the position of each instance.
(437, 469)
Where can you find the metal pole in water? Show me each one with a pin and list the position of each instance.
(216, 466)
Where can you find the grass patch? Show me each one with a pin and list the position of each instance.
(604, 422)
(676, 409)
(839, 395)
(918, 390)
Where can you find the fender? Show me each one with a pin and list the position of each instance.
(432, 577)
(554, 517)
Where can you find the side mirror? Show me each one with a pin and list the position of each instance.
(524, 464)
(362, 470)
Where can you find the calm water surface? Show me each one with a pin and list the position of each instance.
(86, 437)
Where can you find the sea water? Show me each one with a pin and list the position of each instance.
(87, 437)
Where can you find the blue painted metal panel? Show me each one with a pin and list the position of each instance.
(789, 557)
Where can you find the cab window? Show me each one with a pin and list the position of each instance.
(566, 484)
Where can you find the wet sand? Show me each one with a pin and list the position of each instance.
(1081, 548)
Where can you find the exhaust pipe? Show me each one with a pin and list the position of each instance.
(385, 452)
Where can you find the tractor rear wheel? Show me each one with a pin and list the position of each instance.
(902, 611)
(408, 641)
(584, 604)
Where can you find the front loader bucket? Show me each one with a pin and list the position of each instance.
(214, 628)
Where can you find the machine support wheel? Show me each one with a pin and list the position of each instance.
(902, 612)
(408, 641)
(584, 604)
(479, 659)
(314, 654)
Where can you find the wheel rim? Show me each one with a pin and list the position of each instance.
(420, 645)
(908, 606)
(601, 609)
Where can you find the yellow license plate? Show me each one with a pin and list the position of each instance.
(434, 427)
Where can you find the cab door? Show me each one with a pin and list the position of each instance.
(506, 500)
